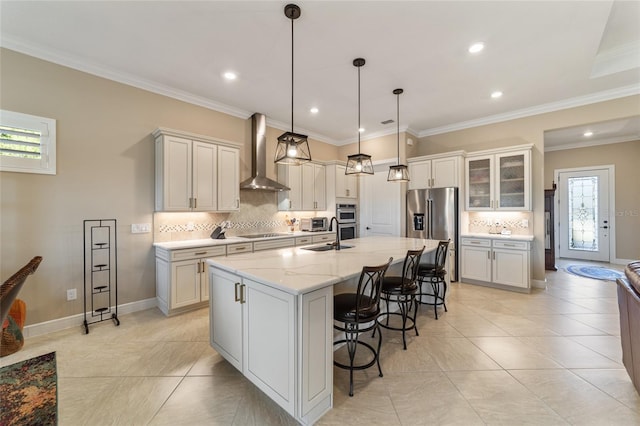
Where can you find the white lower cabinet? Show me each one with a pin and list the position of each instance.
(496, 261)
(265, 332)
(182, 280)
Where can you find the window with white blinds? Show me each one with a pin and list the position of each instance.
(27, 143)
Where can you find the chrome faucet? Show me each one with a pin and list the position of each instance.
(337, 242)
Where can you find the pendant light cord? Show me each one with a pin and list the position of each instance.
(359, 110)
(398, 122)
(291, 75)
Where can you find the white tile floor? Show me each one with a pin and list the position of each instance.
(497, 357)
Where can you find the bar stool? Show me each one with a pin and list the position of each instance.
(358, 312)
(402, 290)
(434, 274)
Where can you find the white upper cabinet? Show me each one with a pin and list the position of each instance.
(228, 178)
(346, 185)
(499, 180)
(436, 171)
(308, 187)
(195, 173)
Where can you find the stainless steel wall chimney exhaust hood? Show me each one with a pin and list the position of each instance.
(259, 179)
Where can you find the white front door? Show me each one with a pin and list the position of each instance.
(380, 204)
(584, 223)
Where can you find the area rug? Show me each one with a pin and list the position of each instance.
(596, 272)
(28, 392)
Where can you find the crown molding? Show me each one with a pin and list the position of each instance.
(376, 135)
(622, 58)
(587, 144)
(70, 61)
(603, 96)
(287, 127)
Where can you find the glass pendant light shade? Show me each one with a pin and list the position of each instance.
(400, 172)
(293, 148)
(359, 164)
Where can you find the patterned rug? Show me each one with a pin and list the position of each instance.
(596, 272)
(28, 392)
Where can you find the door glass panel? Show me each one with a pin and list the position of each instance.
(512, 181)
(583, 213)
(479, 183)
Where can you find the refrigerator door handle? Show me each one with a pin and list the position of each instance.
(430, 219)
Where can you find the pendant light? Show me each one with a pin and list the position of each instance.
(359, 164)
(398, 173)
(293, 148)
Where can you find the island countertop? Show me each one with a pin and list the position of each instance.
(298, 271)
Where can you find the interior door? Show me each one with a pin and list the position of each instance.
(380, 204)
(584, 224)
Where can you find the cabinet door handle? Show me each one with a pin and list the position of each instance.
(289, 203)
(195, 203)
(509, 245)
(489, 255)
(236, 292)
(242, 298)
(190, 202)
(347, 192)
(200, 253)
(494, 255)
(237, 203)
(474, 242)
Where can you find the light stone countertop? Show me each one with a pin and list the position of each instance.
(498, 236)
(298, 271)
(207, 242)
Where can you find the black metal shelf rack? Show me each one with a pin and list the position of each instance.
(100, 272)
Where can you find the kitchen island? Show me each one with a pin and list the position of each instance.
(271, 315)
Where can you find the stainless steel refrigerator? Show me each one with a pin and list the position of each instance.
(433, 214)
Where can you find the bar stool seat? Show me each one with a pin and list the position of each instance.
(358, 313)
(402, 290)
(435, 275)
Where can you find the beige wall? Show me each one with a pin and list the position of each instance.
(105, 170)
(625, 157)
(530, 130)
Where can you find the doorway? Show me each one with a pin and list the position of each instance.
(584, 219)
(380, 204)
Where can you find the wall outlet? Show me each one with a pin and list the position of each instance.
(190, 226)
(140, 228)
(525, 223)
(72, 294)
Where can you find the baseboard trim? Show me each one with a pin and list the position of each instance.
(77, 320)
(539, 283)
(622, 261)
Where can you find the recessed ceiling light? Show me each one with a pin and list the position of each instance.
(361, 129)
(476, 47)
(314, 110)
(230, 75)
(587, 134)
(496, 94)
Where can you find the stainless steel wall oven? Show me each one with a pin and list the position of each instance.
(347, 216)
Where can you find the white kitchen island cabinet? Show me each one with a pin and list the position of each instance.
(271, 316)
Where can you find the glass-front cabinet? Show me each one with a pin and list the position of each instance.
(499, 181)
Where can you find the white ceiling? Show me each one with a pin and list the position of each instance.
(544, 56)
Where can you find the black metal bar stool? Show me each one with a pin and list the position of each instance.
(358, 312)
(402, 290)
(434, 274)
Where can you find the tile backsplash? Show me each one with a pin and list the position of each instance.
(258, 213)
(519, 223)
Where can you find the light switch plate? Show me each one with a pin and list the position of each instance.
(140, 228)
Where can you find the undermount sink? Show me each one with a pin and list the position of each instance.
(326, 247)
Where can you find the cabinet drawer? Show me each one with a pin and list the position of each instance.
(476, 242)
(195, 253)
(239, 248)
(512, 245)
(323, 237)
(300, 241)
(273, 244)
